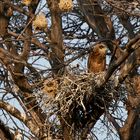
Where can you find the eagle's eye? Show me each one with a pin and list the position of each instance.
(101, 47)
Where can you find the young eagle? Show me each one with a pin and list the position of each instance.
(97, 59)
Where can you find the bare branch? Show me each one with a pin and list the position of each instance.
(130, 48)
(21, 116)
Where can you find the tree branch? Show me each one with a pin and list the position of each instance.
(130, 48)
(126, 130)
(22, 117)
(113, 121)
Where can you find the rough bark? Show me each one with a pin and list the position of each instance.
(130, 129)
(57, 46)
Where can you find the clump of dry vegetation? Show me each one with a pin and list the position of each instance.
(40, 22)
(26, 2)
(65, 5)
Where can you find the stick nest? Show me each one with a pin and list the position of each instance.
(77, 96)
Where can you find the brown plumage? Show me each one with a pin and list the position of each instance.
(97, 59)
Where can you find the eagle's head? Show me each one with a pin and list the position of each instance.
(100, 49)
